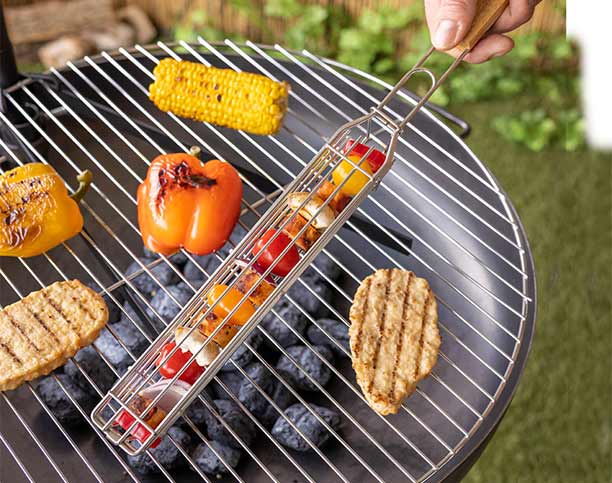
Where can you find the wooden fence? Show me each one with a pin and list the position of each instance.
(167, 13)
(548, 17)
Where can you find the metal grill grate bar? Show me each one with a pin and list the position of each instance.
(32, 435)
(16, 458)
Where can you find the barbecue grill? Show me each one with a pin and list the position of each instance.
(439, 212)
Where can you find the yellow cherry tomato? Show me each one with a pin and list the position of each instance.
(228, 302)
(357, 179)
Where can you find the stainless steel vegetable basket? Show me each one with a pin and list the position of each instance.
(438, 212)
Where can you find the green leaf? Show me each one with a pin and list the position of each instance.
(509, 86)
(395, 18)
(186, 33)
(245, 6)
(371, 21)
(562, 49)
(358, 59)
(352, 39)
(314, 15)
(384, 65)
(283, 8)
(440, 97)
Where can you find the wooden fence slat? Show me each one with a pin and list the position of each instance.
(47, 20)
(166, 13)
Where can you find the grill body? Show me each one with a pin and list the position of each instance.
(439, 212)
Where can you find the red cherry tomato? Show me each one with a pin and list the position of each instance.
(125, 420)
(269, 256)
(375, 159)
(176, 363)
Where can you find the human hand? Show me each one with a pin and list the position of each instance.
(450, 20)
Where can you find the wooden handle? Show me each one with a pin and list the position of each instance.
(487, 12)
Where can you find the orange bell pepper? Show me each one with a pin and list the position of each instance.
(36, 212)
(184, 203)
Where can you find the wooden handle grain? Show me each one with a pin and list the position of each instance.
(487, 12)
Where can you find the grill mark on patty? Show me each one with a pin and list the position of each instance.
(8, 350)
(417, 365)
(59, 310)
(15, 323)
(359, 343)
(40, 321)
(381, 328)
(400, 343)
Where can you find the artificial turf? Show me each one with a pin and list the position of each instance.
(558, 427)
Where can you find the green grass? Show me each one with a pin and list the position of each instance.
(558, 426)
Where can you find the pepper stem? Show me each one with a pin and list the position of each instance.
(84, 180)
(195, 151)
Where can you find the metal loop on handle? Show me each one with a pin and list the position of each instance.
(435, 83)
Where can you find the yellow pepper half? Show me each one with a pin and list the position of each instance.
(36, 212)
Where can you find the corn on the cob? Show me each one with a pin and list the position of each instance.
(238, 100)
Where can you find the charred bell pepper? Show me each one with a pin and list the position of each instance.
(36, 212)
(185, 203)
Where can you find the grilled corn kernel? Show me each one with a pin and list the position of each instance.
(238, 100)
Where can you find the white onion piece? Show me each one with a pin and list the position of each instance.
(173, 393)
(323, 219)
(192, 344)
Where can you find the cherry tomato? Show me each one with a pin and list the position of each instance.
(176, 363)
(125, 420)
(357, 180)
(269, 256)
(232, 298)
(375, 159)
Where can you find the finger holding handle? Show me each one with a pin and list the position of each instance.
(482, 41)
(465, 25)
(487, 13)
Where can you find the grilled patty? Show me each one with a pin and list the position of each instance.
(394, 336)
(43, 330)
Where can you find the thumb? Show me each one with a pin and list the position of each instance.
(449, 21)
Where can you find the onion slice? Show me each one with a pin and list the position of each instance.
(323, 219)
(194, 342)
(173, 393)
